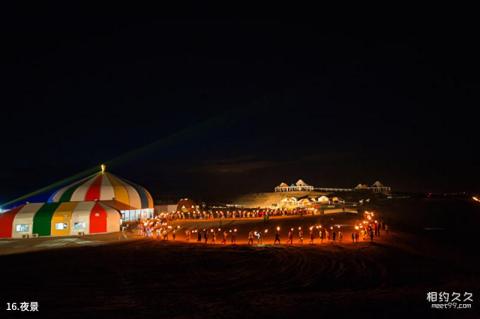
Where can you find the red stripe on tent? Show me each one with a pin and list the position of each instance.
(6, 222)
(93, 192)
(98, 219)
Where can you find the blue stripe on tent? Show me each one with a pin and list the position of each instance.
(67, 187)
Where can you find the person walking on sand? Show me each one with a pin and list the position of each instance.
(259, 238)
(340, 236)
(205, 236)
(357, 236)
(199, 235)
(300, 235)
(234, 237)
(371, 234)
(214, 236)
(334, 235)
(353, 237)
(322, 236)
(290, 236)
(174, 233)
(224, 239)
(277, 237)
(250, 238)
(312, 236)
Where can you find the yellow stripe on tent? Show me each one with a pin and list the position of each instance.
(121, 193)
(62, 219)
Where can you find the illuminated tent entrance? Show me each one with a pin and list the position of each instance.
(129, 213)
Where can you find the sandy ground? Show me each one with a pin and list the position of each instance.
(140, 278)
(17, 246)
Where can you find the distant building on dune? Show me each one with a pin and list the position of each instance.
(301, 186)
(376, 187)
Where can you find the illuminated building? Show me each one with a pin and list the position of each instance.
(96, 204)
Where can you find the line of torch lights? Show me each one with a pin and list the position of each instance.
(369, 219)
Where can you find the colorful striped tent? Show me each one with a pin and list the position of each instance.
(59, 219)
(105, 186)
(95, 204)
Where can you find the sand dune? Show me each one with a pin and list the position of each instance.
(142, 278)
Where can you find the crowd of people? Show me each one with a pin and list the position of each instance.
(369, 228)
(331, 234)
(366, 229)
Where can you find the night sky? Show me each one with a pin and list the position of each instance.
(235, 104)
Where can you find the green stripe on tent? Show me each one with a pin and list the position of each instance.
(43, 218)
(67, 195)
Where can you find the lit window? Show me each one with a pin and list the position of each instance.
(61, 226)
(22, 228)
(79, 225)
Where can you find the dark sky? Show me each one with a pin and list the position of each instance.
(237, 104)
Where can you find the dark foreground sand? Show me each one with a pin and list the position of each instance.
(145, 278)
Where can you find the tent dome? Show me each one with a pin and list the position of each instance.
(105, 186)
(186, 205)
(323, 200)
(305, 202)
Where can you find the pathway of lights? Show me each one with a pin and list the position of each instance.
(359, 226)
